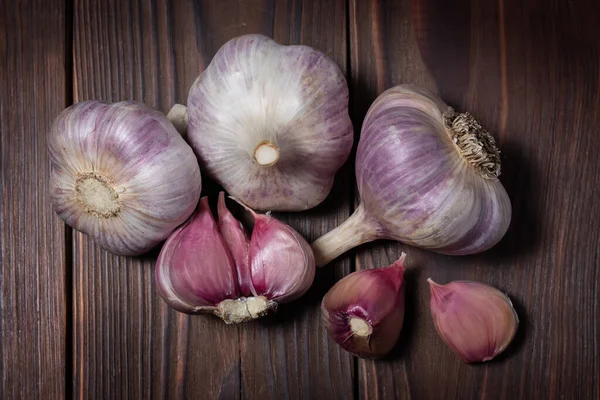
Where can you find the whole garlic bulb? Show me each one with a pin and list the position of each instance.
(122, 174)
(427, 177)
(270, 123)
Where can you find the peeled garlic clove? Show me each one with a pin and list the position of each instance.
(270, 123)
(195, 270)
(201, 266)
(427, 176)
(475, 320)
(122, 174)
(237, 242)
(364, 312)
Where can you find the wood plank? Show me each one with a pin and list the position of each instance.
(32, 239)
(277, 358)
(291, 357)
(127, 342)
(530, 73)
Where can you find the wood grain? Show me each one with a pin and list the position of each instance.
(126, 341)
(32, 240)
(291, 356)
(529, 73)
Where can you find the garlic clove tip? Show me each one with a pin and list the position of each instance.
(251, 211)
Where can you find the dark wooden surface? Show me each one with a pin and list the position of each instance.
(78, 322)
(33, 252)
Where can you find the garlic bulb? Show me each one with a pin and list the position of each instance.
(122, 174)
(270, 123)
(475, 320)
(427, 177)
(210, 267)
(364, 312)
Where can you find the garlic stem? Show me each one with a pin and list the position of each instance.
(179, 118)
(356, 230)
(266, 153)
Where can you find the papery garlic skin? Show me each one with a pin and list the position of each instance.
(477, 321)
(270, 123)
(182, 284)
(364, 312)
(211, 267)
(443, 203)
(427, 176)
(275, 243)
(237, 242)
(121, 174)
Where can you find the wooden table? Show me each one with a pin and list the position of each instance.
(78, 322)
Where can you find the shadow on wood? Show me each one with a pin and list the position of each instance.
(520, 178)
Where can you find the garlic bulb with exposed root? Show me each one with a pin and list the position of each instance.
(427, 177)
(270, 123)
(477, 321)
(122, 174)
(212, 267)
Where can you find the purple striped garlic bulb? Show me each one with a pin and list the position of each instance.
(427, 176)
(270, 123)
(121, 174)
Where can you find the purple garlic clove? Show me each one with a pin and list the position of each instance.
(477, 321)
(195, 271)
(237, 241)
(364, 312)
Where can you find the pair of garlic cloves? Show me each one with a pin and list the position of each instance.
(209, 266)
(364, 314)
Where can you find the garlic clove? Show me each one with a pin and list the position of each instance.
(477, 321)
(195, 271)
(364, 312)
(282, 263)
(237, 241)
